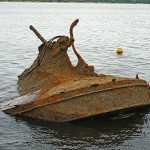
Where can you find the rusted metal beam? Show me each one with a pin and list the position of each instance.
(72, 26)
(38, 34)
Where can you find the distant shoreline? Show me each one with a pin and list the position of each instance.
(85, 1)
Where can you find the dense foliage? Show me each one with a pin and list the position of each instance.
(102, 1)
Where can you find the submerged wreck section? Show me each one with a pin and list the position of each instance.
(53, 89)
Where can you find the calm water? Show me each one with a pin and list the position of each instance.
(102, 29)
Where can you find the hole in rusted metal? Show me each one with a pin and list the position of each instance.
(113, 80)
(93, 85)
(72, 57)
(62, 92)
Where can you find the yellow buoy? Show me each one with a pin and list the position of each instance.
(119, 50)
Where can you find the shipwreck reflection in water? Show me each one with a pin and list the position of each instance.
(91, 133)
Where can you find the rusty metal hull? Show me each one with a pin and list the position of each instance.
(81, 103)
(92, 104)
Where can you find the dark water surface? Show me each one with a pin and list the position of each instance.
(102, 29)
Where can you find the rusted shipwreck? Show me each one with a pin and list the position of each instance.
(53, 89)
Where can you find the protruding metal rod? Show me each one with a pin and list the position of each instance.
(72, 26)
(80, 59)
(37, 34)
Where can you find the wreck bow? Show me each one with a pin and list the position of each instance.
(52, 65)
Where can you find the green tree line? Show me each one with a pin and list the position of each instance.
(94, 1)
